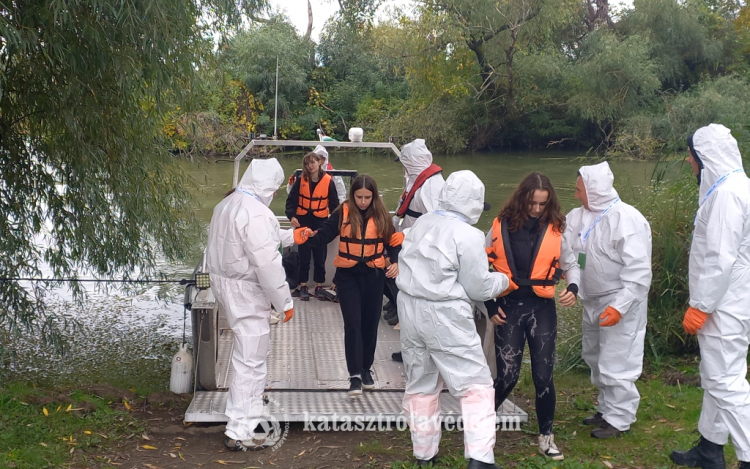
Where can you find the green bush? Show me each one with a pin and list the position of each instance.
(670, 210)
(666, 127)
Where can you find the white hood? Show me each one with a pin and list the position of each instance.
(321, 150)
(598, 180)
(463, 193)
(719, 153)
(416, 158)
(262, 178)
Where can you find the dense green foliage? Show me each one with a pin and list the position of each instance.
(86, 180)
(482, 75)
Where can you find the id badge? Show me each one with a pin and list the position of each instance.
(582, 260)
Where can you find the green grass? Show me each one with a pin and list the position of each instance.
(667, 420)
(29, 438)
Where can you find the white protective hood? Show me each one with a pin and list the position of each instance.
(463, 193)
(416, 158)
(718, 151)
(338, 181)
(598, 180)
(262, 178)
(321, 150)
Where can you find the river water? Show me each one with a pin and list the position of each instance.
(125, 337)
(500, 174)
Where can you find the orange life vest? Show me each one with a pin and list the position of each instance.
(353, 249)
(317, 202)
(545, 270)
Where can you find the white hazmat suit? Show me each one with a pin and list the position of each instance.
(720, 285)
(247, 278)
(613, 242)
(442, 270)
(415, 157)
(338, 181)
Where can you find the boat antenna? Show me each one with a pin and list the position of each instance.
(276, 100)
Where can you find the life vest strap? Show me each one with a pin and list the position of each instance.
(361, 241)
(412, 213)
(347, 255)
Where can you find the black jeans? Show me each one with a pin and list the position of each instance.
(319, 254)
(360, 290)
(533, 319)
(390, 290)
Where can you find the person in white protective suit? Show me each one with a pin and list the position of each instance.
(247, 279)
(719, 297)
(612, 242)
(422, 183)
(443, 269)
(338, 181)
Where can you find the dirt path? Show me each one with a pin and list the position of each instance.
(168, 443)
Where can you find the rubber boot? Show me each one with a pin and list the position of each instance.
(427, 462)
(705, 454)
(474, 464)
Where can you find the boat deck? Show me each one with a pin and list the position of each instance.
(307, 376)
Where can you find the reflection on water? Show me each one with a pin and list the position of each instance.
(500, 173)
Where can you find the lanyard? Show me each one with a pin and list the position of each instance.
(598, 219)
(249, 193)
(718, 183)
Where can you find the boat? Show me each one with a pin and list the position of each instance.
(307, 378)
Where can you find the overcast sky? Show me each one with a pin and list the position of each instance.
(296, 10)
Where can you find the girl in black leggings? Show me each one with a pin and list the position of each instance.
(525, 244)
(366, 235)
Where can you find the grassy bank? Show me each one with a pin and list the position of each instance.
(81, 429)
(59, 427)
(667, 419)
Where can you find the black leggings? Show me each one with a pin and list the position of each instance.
(360, 291)
(535, 319)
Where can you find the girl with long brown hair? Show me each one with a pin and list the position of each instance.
(311, 200)
(525, 244)
(366, 236)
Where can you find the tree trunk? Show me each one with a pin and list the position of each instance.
(309, 21)
(485, 68)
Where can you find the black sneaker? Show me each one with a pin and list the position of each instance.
(389, 307)
(304, 295)
(596, 419)
(355, 386)
(367, 381)
(234, 445)
(318, 293)
(393, 321)
(397, 357)
(390, 315)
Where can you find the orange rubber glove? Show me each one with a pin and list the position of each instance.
(301, 235)
(396, 239)
(693, 320)
(288, 314)
(609, 317)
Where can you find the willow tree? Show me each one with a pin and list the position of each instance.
(86, 181)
